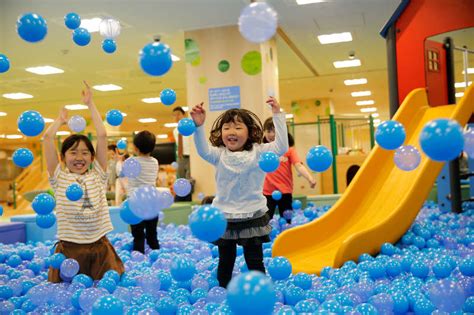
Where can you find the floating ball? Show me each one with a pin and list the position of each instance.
(22, 157)
(77, 123)
(1, 210)
(127, 215)
(131, 168)
(81, 36)
(279, 268)
(276, 195)
(442, 139)
(122, 144)
(145, 202)
(4, 63)
(251, 293)
(43, 203)
(114, 118)
(45, 221)
(31, 27)
(319, 158)
(186, 126)
(69, 267)
(269, 162)
(74, 192)
(182, 187)
(207, 223)
(30, 123)
(390, 134)
(168, 97)
(155, 59)
(407, 158)
(109, 46)
(258, 22)
(72, 20)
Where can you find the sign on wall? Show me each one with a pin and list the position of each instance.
(224, 98)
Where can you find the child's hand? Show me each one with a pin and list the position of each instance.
(274, 104)
(63, 115)
(312, 183)
(198, 113)
(87, 94)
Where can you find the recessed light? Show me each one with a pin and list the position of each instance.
(363, 103)
(2, 114)
(175, 58)
(162, 136)
(17, 96)
(289, 116)
(375, 115)
(44, 70)
(13, 136)
(147, 120)
(63, 133)
(92, 25)
(48, 120)
(151, 100)
(124, 114)
(185, 108)
(335, 38)
(461, 84)
(469, 71)
(107, 87)
(355, 81)
(76, 107)
(459, 94)
(347, 63)
(376, 121)
(368, 109)
(303, 2)
(361, 93)
(171, 125)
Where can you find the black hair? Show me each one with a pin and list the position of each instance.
(269, 126)
(253, 123)
(207, 200)
(73, 141)
(179, 109)
(112, 147)
(144, 141)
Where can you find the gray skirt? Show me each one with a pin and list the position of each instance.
(251, 231)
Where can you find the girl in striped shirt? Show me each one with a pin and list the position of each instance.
(82, 224)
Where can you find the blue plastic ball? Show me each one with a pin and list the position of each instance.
(251, 293)
(467, 266)
(74, 192)
(390, 135)
(182, 269)
(114, 118)
(155, 59)
(442, 268)
(107, 283)
(207, 223)
(127, 215)
(293, 295)
(4, 63)
(279, 268)
(69, 267)
(145, 202)
(107, 304)
(168, 97)
(43, 203)
(166, 306)
(319, 158)
(57, 259)
(30, 123)
(45, 221)
(112, 274)
(419, 269)
(81, 36)
(276, 195)
(83, 279)
(13, 261)
(269, 162)
(366, 309)
(72, 20)
(296, 204)
(1, 210)
(31, 27)
(182, 187)
(442, 140)
(122, 144)
(109, 45)
(468, 306)
(186, 126)
(22, 157)
(303, 281)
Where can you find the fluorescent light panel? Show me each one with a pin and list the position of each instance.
(175, 58)
(163, 136)
(171, 125)
(355, 81)
(76, 107)
(185, 108)
(469, 71)
(289, 116)
(303, 2)
(44, 70)
(347, 63)
(2, 114)
(92, 25)
(48, 120)
(375, 115)
(368, 109)
(107, 87)
(151, 100)
(335, 38)
(461, 84)
(366, 102)
(147, 120)
(17, 96)
(13, 136)
(361, 93)
(63, 133)
(459, 94)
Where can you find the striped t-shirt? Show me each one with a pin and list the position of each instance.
(148, 173)
(88, 219)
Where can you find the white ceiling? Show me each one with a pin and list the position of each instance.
(141, 19)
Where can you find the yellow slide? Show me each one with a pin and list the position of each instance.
(381, 202)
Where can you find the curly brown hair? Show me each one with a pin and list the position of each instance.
(253, 123)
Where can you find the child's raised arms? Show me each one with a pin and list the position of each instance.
(50, 153)
(198, 113)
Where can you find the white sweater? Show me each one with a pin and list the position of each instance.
(239, 179)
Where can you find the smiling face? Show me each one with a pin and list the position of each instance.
(235, 134)
(78, 158)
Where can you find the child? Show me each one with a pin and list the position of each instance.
(121, 182)
(236, 136)
(282, 178)
(82, 224)
(144, 143)
(111, 164)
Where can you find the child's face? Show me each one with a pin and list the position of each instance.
(78, 158)
(269, 135)
(235, 135)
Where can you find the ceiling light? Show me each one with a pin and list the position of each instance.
(375, 115)
(185, 108)
(151, 100)
(171, 125)
(303, 2)
(461, 84)
(355, 81)
(367, 102)
(147, 120)
(175, 58)
(163, 136)
(376, 121)
(469, 71)
(459, 94)
(368, 109)
(2, 114)
(92, 25)
(76, 107)
(107, 87)
(347, 63)
(13, 136)
(289, 116)
(335, 38)
(44, 70)
(17, 96)
(63, 133)
(48, 120)
(361, 93)
(124, 114)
